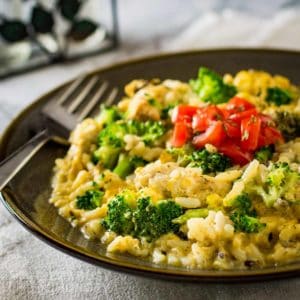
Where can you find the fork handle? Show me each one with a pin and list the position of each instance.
(10, 166)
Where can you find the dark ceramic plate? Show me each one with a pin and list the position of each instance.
(26, 197)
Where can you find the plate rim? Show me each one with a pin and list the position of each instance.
(119, 265)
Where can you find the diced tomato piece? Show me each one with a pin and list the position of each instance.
(273, 133)
(214, 135)
(205, 116)
(183, 113)
(250, 130)
(261, 141)
(181, 134)
(238, 156)
(200, 122)
(269, 135)
(237, 104)
(232, 129)
(242, 115)
(225, 113)
(237, 129)
(213, 113)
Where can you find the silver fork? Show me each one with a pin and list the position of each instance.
(60, 116)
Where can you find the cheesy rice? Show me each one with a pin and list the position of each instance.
(208, 242)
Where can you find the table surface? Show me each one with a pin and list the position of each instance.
(29, 269)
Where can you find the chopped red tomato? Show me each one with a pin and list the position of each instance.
(237, 104)
(237, 129)
(232, 129)
(225, 113)
(184, 113)
(237, 117)
(269, 136)
(250, 130)
(200, 122)
(181, 134)
(213, 112)
(238, 156)
(214, 135)
(205, 115)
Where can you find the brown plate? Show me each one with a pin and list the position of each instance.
(26, 197)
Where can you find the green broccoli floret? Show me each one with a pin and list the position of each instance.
(278, 96)
(90, 200)
(243, 203)
(246, 223)
(191, 213)
(152, 131)
(119, 216)
(282, 183)
(149, 131)
(181, 154)
(210, 87)
(109, 114)
(146, 220)
(112, 135)
(264, 154)
(278, 174)
(209, 162)
(110, 142)
(127, 164)
(244, 216)
(111, 153)
(288, 124)
(152, 221)
(107, 155)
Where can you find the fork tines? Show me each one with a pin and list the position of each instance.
(87, 92)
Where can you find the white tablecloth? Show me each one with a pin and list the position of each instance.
(29, 269)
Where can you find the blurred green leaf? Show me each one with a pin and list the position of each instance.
(42, 20)
(13, 31)
(69, 8)
(81, 29)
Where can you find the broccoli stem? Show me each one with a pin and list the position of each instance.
(124, 166)
(107, 155)
(191, 213)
